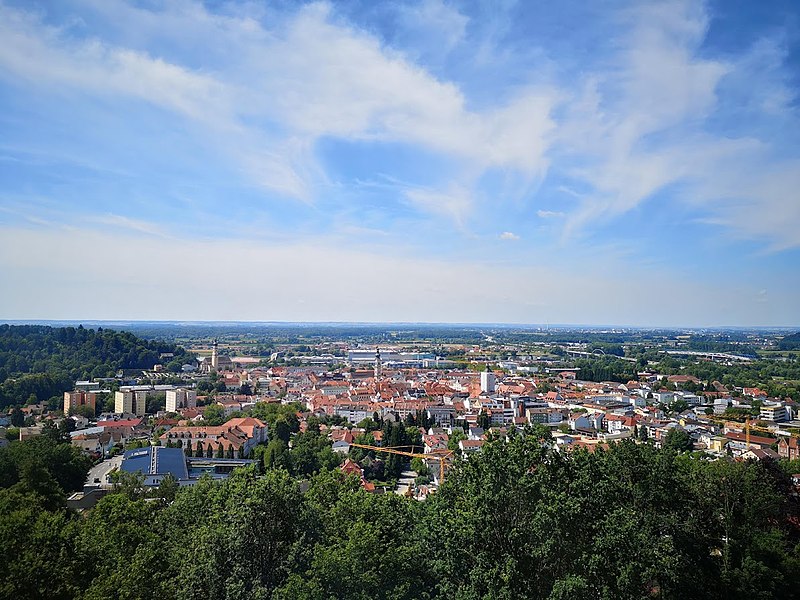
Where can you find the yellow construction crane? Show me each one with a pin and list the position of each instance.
(440, 456)
(747, 434)
(749, 424)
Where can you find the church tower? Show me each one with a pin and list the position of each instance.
(377, 363)
(214, 358)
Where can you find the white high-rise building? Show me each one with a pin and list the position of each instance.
(130, 402)
(488, 381)
(181, 398)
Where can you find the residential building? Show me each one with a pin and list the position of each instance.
(586, 421)
(721, 405)
(470, 446)
(353, 468)
(443, 415)
(774, 412)
(545, 416)
(760, 454)
(181, 398)
(26, 433)
(236, 437)
(130, 402)
(435, 442)
(663, 397)
(87, 386)
(616, 424)
(73, 400)
(230, 406)
(789, 448)
(738, 442)
(354, 413)
(691, 399)
(488, 381)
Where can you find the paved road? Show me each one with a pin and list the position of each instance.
(101, 470)
(406, 480)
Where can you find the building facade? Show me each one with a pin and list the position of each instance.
(130, 402)
(181, 398)
(73, 400)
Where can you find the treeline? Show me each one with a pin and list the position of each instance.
(39, 362)
(309, 333)
(574, 336)
(517, 520)
(720, 344)
(790, 342)
(778, 378)
(606, 368)
(42, 470)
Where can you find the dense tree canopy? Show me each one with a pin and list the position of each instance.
(790, 342)
(42, 362)
(516, 520)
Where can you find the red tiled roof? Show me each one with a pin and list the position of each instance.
(754, 439)
(120, 423)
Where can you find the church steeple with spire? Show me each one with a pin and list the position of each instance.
(377, 363)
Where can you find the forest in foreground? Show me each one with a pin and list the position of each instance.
(517, 520)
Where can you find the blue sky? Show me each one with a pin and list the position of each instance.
(630, 163)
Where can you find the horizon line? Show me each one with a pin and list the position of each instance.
(466, 324)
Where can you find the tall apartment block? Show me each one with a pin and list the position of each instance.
(73, 400)
(130, 402)
(181, 398)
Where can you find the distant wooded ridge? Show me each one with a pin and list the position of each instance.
(40, 362)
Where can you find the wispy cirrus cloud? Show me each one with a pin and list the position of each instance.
(278, 83)
(444, 126)
(126, 223)
(653, 122)
(454, 202)
(308, 78)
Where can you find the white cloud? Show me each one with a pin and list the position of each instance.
(507, 235)
(272, 85)
(659, 86)
(37, 264)
(351, 87)
(454, 203)
(46, 57)
(283, 89)
(632, 131)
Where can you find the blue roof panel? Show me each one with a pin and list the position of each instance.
(166, 460)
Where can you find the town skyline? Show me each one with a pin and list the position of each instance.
(267, 458)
